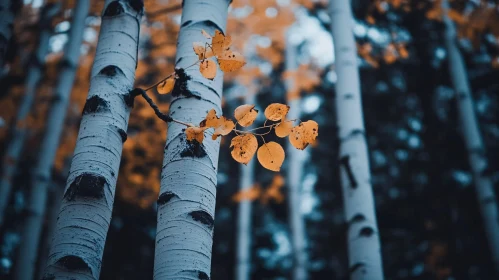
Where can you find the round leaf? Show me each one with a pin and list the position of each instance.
(283, 129)
(208, 69)
(230, 61)
(243, 147)
(304, 134)
(195, 133)
(225, 127)
(276, 111)
(245, 114)
(271, 156)
(166, 86)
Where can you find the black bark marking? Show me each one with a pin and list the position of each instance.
(348, 96)
(129, 98)
(123, 135)
(137, 5)
(95, 104)
(186, 23)
(345, 161)
(202, 217)
(165, 197)
(356, 219)
(180, 87)
(87, 185)
(73, 263)
(193, 149)
(203, 276)
(114, 9)
(111, 71)
(357, 266)
(366, 232)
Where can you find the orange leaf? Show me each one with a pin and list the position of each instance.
(230, 61)
(271, 156)
(208, 69)
(195, 133)
(276, 111)
(220, 43)
(283, 129)
(166, 86)
(201, 51)
(304, 134)
(211, 119)
(243, 147)
(225, 127)
(245, 114)
(250, 194)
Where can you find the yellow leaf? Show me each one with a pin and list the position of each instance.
(225, 127)
(208, 69)
(304, 134)
(243, 147)
(283, 129)
(271, 156)
(220, 43)
(245, 114)
(276, 111)
(211, 119)
(195, 133)
(166, 86)
(205, 34)
(231, 61)
(201, 51)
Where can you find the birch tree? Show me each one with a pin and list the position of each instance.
(244, 221)
(186, 205)
(364, 250)
(471, 133)
(85, 212)
(33, 223)
(294, 178)
(20, 131)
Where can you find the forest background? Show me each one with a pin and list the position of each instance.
(429, 221)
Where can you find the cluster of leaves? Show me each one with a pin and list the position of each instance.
(255, 192)
(219, 48)
(245, 144)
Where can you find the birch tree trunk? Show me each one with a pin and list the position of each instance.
(472, 138)
(294, 179)
(41, 179)
(364, 249)
(7, 14)
(85, 213)
(186, 205)
(19, 135)
(243, 246)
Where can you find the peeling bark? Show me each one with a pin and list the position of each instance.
(183, 240)
(85, 213)
(294, 178)
(20, 133)
(484, 185)
(363, 239)
(32, 227)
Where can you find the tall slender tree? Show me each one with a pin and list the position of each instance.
(364, 249)
(294, 177)
(20, 130)
(472, 137)
(186, 205)
(33, 222)
(245, 207)
(7, 14)
(85, 213)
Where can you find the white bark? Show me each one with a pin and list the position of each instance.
(473, 140)
(33, 223)
(243, 246)
(6, 24)
(363, 237)
(186, 205)
(19, 135)
(294, 175)
(85, 213)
